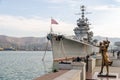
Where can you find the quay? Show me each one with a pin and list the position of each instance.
(89, 76)
(51, 76)
(78, 71)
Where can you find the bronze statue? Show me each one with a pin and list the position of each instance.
(105, 58)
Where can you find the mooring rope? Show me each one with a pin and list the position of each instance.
(45, 51)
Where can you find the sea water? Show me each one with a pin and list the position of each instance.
(24, 65)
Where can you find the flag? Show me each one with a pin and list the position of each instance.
(53, 21)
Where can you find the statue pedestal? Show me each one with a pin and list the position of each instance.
(110, 75)
(103, 76)
(80, 66)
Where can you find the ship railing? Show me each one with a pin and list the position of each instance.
(75, 38)
(63, 59)
(78, 40)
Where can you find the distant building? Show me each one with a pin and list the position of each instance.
(117, 46)
(1, 49)
(8, 49)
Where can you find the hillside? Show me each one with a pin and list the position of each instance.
(35, 43)
(112, 40)
(23, 43)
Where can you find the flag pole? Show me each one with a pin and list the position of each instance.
(52, 22)
(51, 30)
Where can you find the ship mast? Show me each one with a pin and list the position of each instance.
(82, 31)
(82, 10)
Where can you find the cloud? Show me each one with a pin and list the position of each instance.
(37, 26)
(34, 26)
(62, 1)
(105, 7)
(71, 3)
(117, 0)
(101, 7)
(74, 3)
(54, 7)
(107, 30)
(56, 1)
(21, 23)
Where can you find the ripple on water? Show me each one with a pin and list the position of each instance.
(23, 65)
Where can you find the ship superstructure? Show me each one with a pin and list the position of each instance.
(83, 32)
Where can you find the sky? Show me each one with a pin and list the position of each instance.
(27, 18)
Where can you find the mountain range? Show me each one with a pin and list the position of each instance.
(35, 43)
(112, 40)
(24, 43)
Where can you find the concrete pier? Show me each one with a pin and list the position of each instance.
(62, 75)
(51, 76)
(70, 75)
(77, 71)
(80, 66)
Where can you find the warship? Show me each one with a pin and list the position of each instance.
(79, 45)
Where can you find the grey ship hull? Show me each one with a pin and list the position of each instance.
(66, 47)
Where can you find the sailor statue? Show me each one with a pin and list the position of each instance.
(105, 58)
